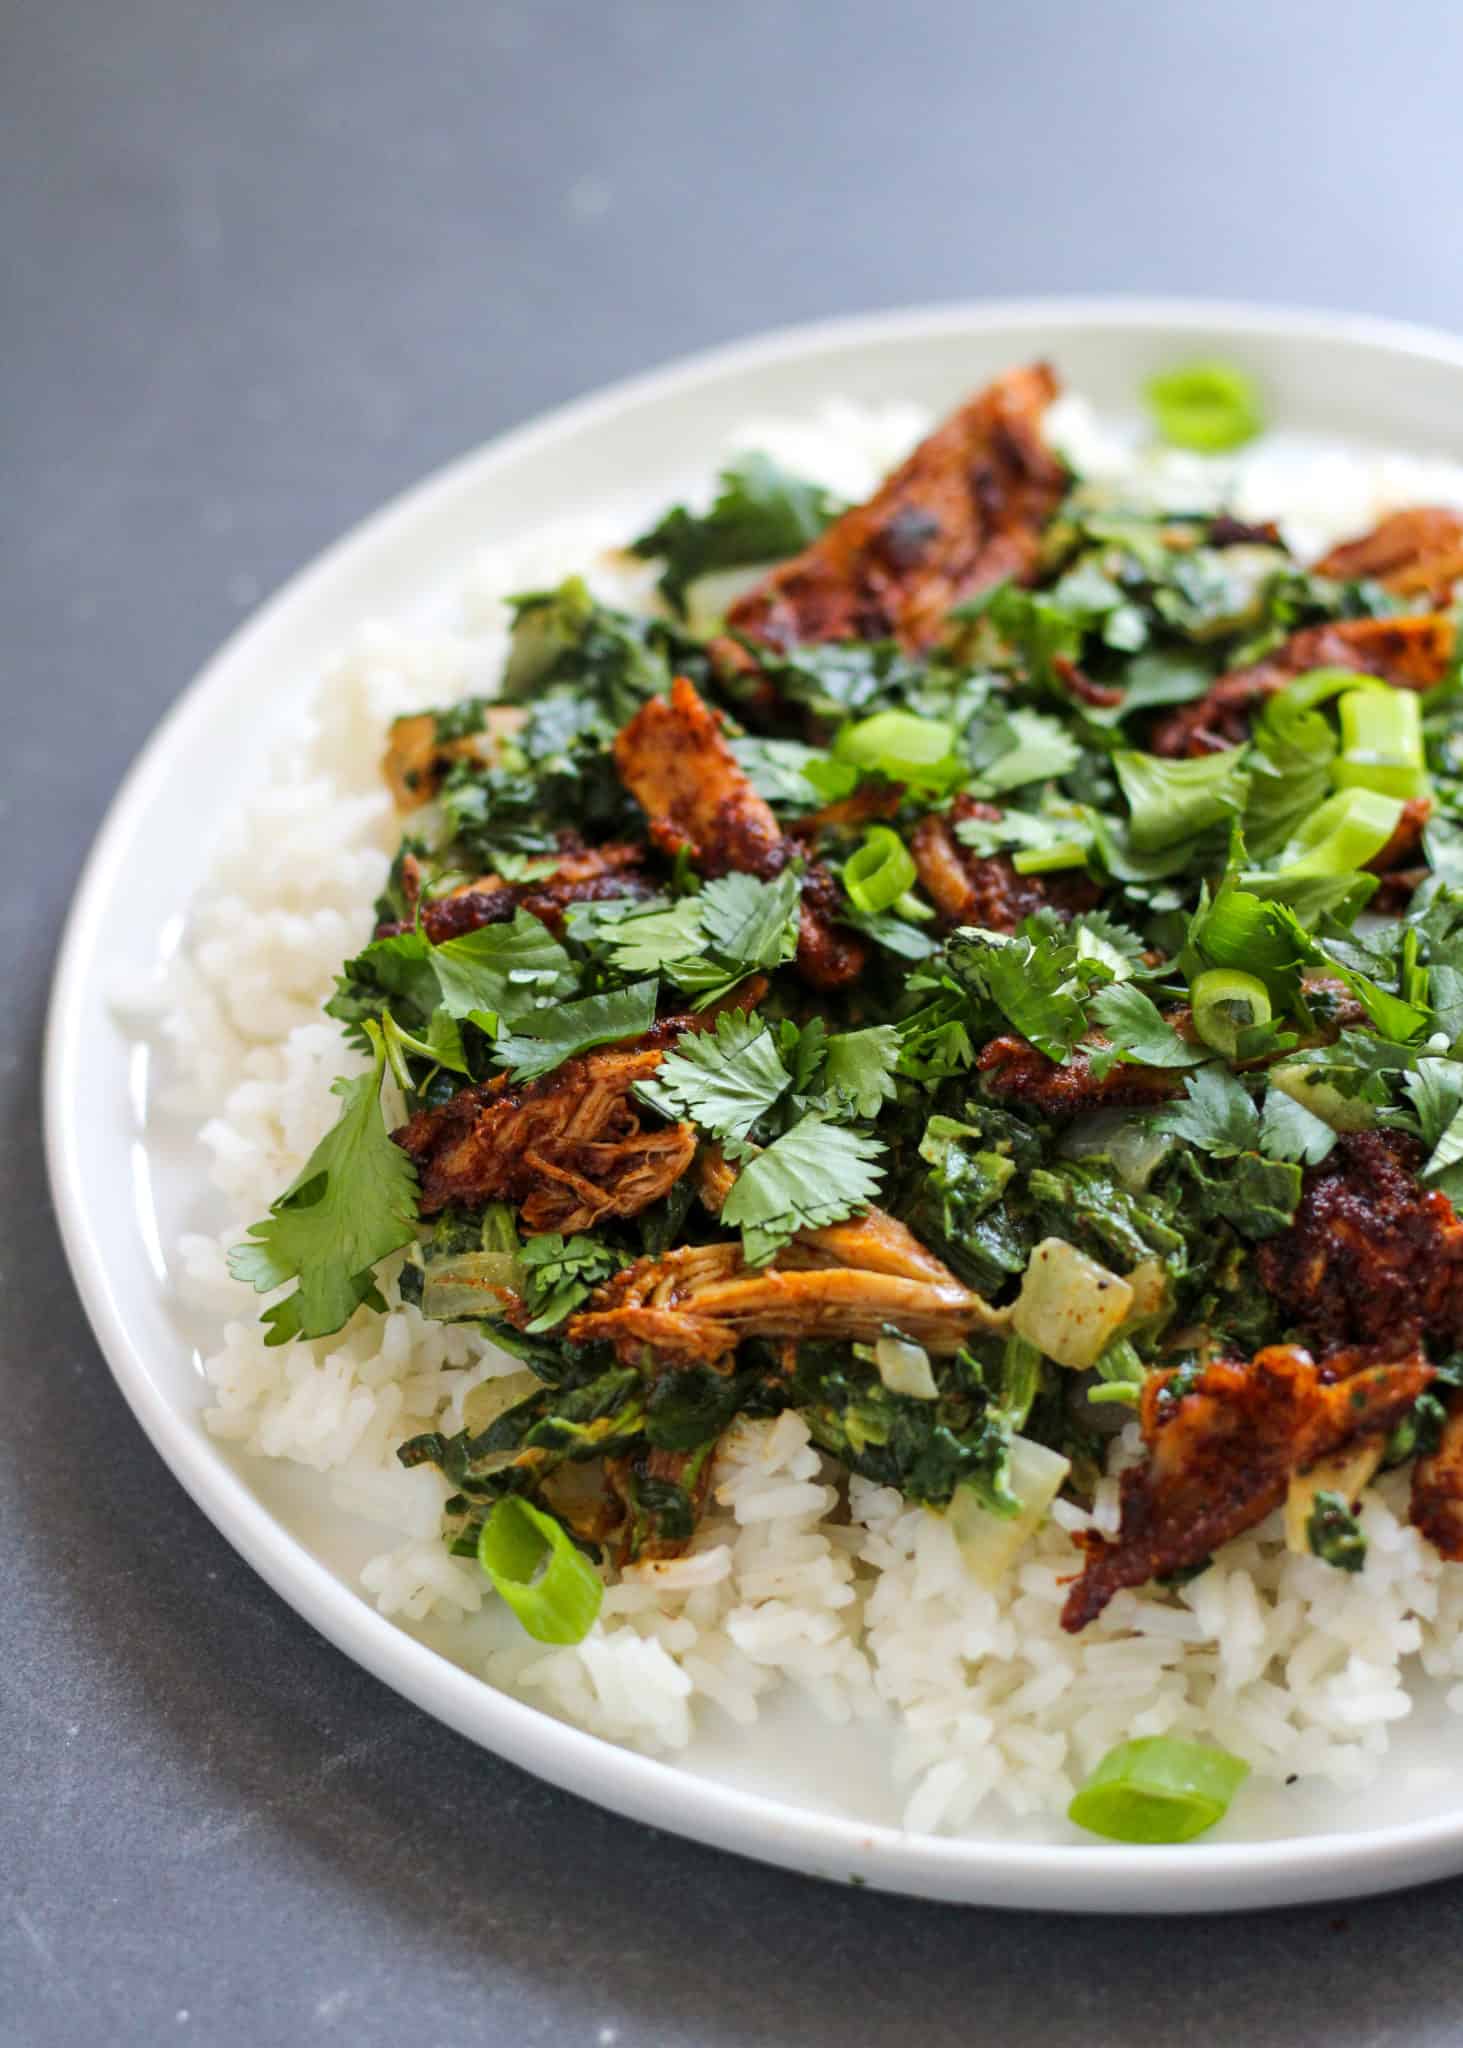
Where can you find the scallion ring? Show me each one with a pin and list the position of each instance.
(1226, 1004)
(1158, 1790)
(552, 1587)
(1381, 743)
(919, 752)
(1205, 406)
(1045, 860)
(878, 872)
(1341, 835)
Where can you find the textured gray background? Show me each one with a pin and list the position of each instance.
(263, 265)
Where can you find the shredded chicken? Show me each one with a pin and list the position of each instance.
(848, 1282)
(1416, 552)
(569, 1149)
(985, 889)
(1437, 1488)
(1372, 1254)
(583, 874)
(1406, 840)
(1411, 653)
(1221, 1457)
(963, 512)
(674, 760)
(1013, 1069)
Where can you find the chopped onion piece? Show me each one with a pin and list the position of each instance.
(484, 1403)
(989, 1543)
(905, 1369)
(1069, 1306)
(1346, 1473)
(1341, 1112)
(471, 1285)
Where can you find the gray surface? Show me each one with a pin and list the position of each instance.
(264, 265)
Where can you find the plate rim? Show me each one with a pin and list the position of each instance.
(1046, 1876)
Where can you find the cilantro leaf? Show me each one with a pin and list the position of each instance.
(1026, 746)
(1288, 1130)
(858, 1070)
(813, 1175)
(724, 1081)
(558, 1274)
(507, 970)
(895, 934)
(353, 1201)
(760, 514)
(752, 923)
(1134, 1024)
(548, 1037)
(1217, 1115)
(792, 773)
(1029, 984)
(1173, 800)
(651, 941)
(1436, 1089)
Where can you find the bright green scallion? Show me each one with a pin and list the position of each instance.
(879, 872)
(1207, 407)
(1381, 743)
(1158, 1790)
(919, 752)
(534, 1566)
(1226, 1004)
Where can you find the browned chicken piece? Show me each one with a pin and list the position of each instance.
(1406, 840)
(985, 889)
(1418, 552)
(847, 1284)
(1411, 653)
(416, 762)
(674, 760)
(1221, 1458)
(1372, 1255)
(1014, 1070)
(569, 1149)
(1437, 1488)
(584, 874)
(966, 510)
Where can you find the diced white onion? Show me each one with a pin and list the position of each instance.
(1341, 1112)
(905, 1369)
(1346, 1473)
(1069, 1306)
(468, 1286)
(488, 1400)
(989, 1543)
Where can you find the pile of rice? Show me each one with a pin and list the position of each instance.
(795, 1578)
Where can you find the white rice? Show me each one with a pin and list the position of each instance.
(846, 1593)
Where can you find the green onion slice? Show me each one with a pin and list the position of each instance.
(1158, 1790)
(534, 1566)
(917, 751)
(879, 872)
(1381, 743)
(1043, 860)
(1341, 835)
(1226, 1004)
(1205, 406)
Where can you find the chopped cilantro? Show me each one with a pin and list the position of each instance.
(723, 1081)
(352, 1202)
(813, 1175)
(760, 513)
(549, 1037)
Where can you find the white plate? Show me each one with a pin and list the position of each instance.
(1366, 381)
